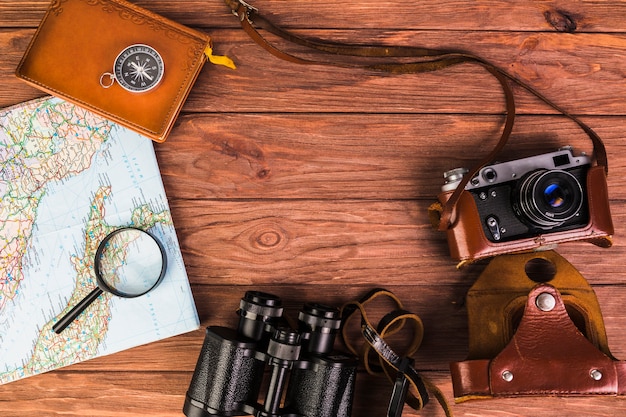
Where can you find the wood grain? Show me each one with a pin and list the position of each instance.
(575, 16)
(554, 64)
(313, 182)
(379, 156)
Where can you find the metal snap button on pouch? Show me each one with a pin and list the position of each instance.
(138, 68)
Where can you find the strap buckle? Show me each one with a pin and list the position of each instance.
(237, 5)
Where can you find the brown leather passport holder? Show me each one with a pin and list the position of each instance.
(116, 59)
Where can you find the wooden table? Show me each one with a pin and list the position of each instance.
(313, 182)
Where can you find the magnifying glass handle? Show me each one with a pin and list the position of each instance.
(78, 308)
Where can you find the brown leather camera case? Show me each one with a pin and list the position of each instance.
(79, 40)
(535, 338)
(468, 242)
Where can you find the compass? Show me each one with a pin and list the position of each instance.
(138, 68)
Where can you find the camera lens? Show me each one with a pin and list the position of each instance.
(550, 197)
(554, 195)
(318, 324)
(257, 309)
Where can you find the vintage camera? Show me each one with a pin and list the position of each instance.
(314, 380)
(528, 196)
(530, 202)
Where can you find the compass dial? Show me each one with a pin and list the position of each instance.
(138, 68)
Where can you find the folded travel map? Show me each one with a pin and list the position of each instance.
(69, 177)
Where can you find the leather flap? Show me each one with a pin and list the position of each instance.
(549, 355)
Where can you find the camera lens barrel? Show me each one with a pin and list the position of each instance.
(256, 310)
(319, 325)
(548, 198)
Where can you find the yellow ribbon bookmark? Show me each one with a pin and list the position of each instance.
(219, 59)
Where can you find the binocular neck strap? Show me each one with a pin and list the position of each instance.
(427, 60)
(409, 385)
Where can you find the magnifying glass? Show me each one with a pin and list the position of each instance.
(129, 262)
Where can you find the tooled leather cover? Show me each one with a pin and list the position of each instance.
(78, 40)
(467, 240)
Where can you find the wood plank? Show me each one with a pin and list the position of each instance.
(572, 70)
(579, 16)
(338, 156)
(129, 394)
(339, 244)
(162, 370)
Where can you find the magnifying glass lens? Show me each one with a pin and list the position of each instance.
(129, 262)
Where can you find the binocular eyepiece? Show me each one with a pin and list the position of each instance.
(318, 324)
(231, 367)
(258, 314)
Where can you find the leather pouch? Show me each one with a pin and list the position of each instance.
(79, 42)
(535, 328)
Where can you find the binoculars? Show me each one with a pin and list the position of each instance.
(314, 380)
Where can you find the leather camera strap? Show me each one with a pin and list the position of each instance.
(409, 385)
(427, 60)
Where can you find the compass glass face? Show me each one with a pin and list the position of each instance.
(138, 68)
